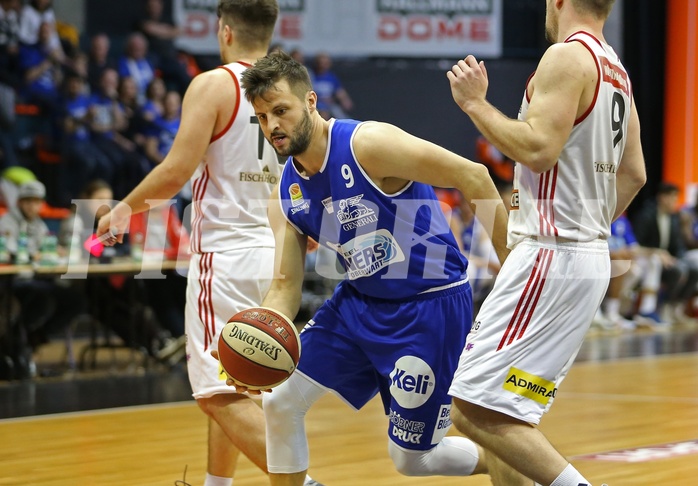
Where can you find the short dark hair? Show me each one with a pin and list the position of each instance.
(271, 69)
(252, 20)
(666, 188)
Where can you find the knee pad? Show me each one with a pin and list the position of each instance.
(453, 456)
(284, 410)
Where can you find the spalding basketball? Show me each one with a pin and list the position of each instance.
(259, 348)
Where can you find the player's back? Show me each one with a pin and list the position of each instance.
(232, 184)
(576, 199)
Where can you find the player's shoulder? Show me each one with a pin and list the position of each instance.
(374, 131)
(567, 57)
(218, 74)
(211, 88)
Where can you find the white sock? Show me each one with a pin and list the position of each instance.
(648, 302)
(212, 480)
(570, 477)
(613, 308)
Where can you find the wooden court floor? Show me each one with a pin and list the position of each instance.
(643, 411)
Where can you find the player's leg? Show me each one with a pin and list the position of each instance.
(528, 332)
(214, 294)
(521, 445)
(229, 415)
(419, 366)
(330, 360)
(285, 409)
(501, 473)
(452, 456)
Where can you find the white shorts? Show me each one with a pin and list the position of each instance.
(531, 326)
(219, 286)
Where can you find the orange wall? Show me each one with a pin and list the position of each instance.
(681, 97)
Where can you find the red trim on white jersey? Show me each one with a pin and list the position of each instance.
(206, 314)
(528, 81)
(235, 110)
(547, 184)
(598, 78)
(585, 33)
(529, 299)
(198, 189)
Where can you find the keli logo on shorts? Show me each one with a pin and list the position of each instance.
(411, 382)
(529, 386)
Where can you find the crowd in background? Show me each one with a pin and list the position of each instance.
(109, 113)
(87, 118)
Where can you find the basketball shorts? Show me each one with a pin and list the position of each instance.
(531, 326)
(357, 346)
(220, 285)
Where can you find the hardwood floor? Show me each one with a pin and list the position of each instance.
(627, 414)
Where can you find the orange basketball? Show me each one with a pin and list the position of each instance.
(259, 348)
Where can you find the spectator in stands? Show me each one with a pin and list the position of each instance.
(42, 71)
(128, 318)
(9, 42)
(154, 104)
(658, 225)
(134, 126)
(47, 305)
(473, 241)
(161, 34)
(107, 119)
(9, 77)
(77, 63)
(635, 277)
(165, 238)
(32, 16)
(483, 264)
(160, 140)
(689, 229)
(98, 60)
(297, 54)
(83, 160)
(689, 225)
(332, 99)
(135, 64)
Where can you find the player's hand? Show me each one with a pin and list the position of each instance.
(238, 387)
(111, 227)
(469, 82)
(312, 245)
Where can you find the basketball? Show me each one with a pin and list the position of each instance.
(259, 348)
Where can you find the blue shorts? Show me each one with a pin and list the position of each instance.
(408, 350)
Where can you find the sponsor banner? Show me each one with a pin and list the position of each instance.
(529, 386)
(400, 28)
(644, 454)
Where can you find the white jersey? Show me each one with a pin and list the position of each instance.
(576, 199)
(231, 186)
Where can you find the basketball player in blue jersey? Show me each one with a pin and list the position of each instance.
(396, 324)
(579, 165)
(217, 146)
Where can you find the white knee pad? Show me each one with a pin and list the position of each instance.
(284, 409)
(453, 456)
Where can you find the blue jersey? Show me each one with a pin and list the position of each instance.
(390, 245)
(622, 235)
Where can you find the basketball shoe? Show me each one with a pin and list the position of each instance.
(311, 482)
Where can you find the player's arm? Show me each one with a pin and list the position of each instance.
(557, 85)
(630, 175)
(406, 157)
(199, 115)
(285, 292)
